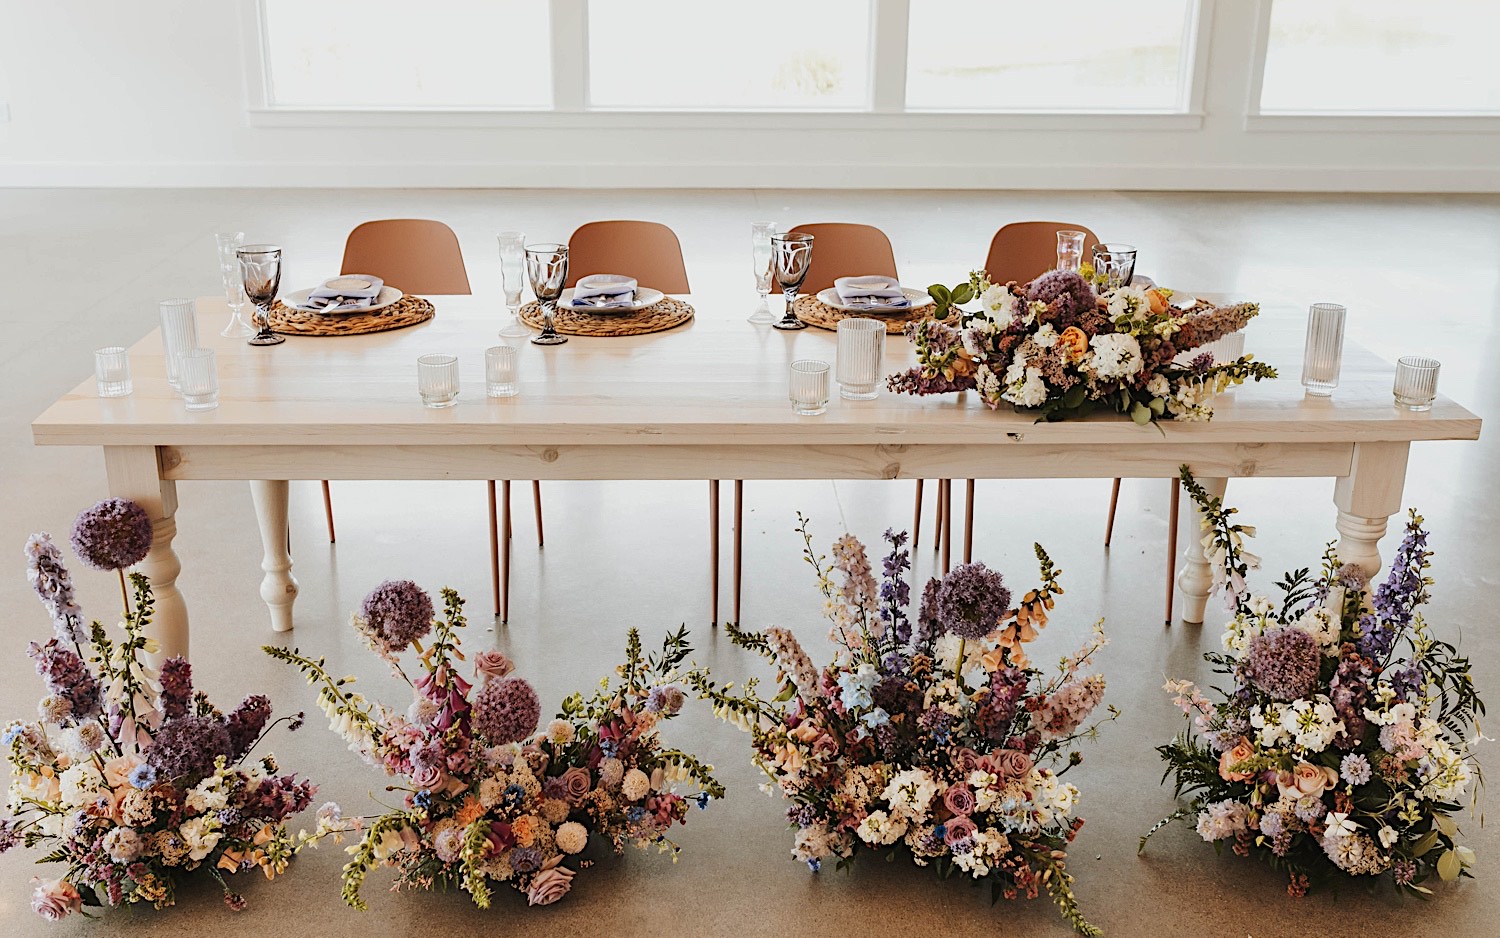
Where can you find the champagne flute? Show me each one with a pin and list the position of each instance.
(547, 267)
(260, 271)
(760, 263)
(791, 256)
(513, 280)
(234, 288)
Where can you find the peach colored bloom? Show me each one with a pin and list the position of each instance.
(1242, 752)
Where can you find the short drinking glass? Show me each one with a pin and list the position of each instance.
(861, 349)
(1324, 352)
(500, 371)
(437, 380)
(760, 264)
(547, 268)
(513, 280)
(808, 387)
(1070, 250)
(199, 376)
(260, 272)
(1114, 265)
(791, 256)
(179, 332)
(112, 372)
(1416, 382)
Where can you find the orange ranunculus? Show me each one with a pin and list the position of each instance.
(1073, 342)
(963, 364)
(1242, 752)
(1158, 302)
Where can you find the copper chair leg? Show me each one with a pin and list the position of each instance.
(713, 550)
(505, 552)
(947, 490)
(494, 547)
(937, 524)
(916, 518)
(739, 542)
(536, 499)
(969, 522)
(1114, 501)
(328, 510)
(1172, 543)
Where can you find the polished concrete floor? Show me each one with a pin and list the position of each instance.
(83, 269)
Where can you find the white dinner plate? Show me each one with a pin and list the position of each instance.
(919, 299)
(297, 299)
(644, 297)
(1183, 300)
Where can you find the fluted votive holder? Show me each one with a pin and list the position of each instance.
(198, 378)
(1416, 382)
(808, 387)
(112, 372)
(861, 350)
(500, 371)
(437, 380)
(1323, 354)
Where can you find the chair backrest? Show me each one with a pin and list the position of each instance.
(414, 255)
(1024, 250)
(842, 249)
(646, 250)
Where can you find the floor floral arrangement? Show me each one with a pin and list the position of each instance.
(130, 777)
(935, 738)
(1056, 346)
(489, 799)
(1343, 747)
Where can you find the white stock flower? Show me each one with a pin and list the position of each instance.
(1114, 355)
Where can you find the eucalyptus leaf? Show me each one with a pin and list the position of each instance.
(1446, 824)
(1140, 414)
(1448, 866)
(1425, 845)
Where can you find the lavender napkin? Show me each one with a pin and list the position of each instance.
(604, 291)
(348, 291)
(872, 292)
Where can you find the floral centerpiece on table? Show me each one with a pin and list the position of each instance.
(1056, 346)
(934, 737)
(129, 777)
(488, 799)
(1343, 747)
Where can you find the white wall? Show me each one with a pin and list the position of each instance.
(152, 93)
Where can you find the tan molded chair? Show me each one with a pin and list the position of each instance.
(1024, 250)
(646, 250)
(842, 249)
(421, 256)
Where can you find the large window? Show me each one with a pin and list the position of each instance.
(1005, 55)
(1382, 56)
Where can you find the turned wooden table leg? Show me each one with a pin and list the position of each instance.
(134, 473)
(1366, 498)
(1194, 580)
(278, 587)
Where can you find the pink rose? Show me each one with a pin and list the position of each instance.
(957, 829)
(428, 777)
(55, 900)
(1306, 780)
(959, 799)
(577, 783)
(1012, 763)
(551, 884)
(967, 760)
(491, 664)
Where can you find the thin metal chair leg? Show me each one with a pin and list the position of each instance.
(916, 518)
(1172, 544)
(947, 525)
(969, 522)
(713, 550)
(536, 499)
(494, 547)
(739, 542)
(1114, 501)
(505, 552)
(937, 524)
(328, 510)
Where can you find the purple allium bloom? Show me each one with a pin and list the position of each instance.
(396, 613)
(971, 601)
(67, 676)
(1201, 362)
(667, 699)
(1067, 293)
(1355, 769)
(176, 687)
(113, 535)
(1283, 663)
(246, 723)
(185, 749)
(54, 587)
(525, 859)
(506, 711)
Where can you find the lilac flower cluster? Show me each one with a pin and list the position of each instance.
(895, 592)
(67, 677)
(176, 687)
(54, 587)
(1349, 690)
(971, 601)
(395, 614)
(506, 711)
(112, 535)
(1397, 598)
(1283, 663)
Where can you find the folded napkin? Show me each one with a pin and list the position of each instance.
(604, 291)
(350, 291)
(873, 292)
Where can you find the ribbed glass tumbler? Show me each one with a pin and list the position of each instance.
(808, 387)
(1416, 382)
(179, 333)
(861, 352)
(437, 380)
(1323, 354)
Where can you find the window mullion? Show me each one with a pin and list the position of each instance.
(570, 55)
(888, 55)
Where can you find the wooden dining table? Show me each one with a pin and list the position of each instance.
(706, 400)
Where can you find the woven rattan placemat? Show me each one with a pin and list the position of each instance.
(654, 318)
(407, 311)
(815, 313)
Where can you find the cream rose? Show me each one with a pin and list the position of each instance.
(1306, 780)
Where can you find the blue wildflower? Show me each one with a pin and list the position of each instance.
(422, 799)
(143, 775)
(703, 800)
(12, 731)
(815, 865)
(875, 718)
(855, 687)
(635, 814)
(513, 795)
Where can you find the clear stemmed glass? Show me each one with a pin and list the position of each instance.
(547, 267)
(760, 262)
(234, 288)
(260, 272)
(513, 280)
(791, 255)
